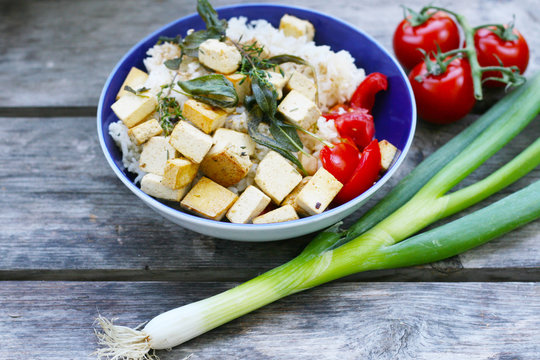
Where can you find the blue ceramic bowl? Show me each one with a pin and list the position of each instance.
(394, 113)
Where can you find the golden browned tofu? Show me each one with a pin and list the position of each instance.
(250, 204)
(276, 177)
(209, 199)
(319, 192)
(242, 85)
(225, 166)
(155, 154)
(152, 185)
(205, 117)
(302, 84)
(134, 79)
(241, 142)
(132, 109)
(179, 173)
(143, 132)
(293, 26)
(291, 198)
(281, 214)
(299, 109)
(190, 141)
(388, 152)
(219, 56)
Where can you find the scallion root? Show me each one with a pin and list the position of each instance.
(121, 342)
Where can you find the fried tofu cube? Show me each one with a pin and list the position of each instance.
(249, 205)
(132, 109)
(225, 166)
(190, 141)
(281, 214)
(155, 154)
(242, 85)
(291, 198)
(209, 199)
(219, 56)
(241, 142)
(319, 192)
(276, 177)
(293, 26)
(141, 133)
(204, 116)
(299, 109)
(388, 152)
(278, 81)
(179, 173)
(134, 79)
(152, 185)
(302, 84)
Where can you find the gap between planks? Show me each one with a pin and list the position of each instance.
(431, 273)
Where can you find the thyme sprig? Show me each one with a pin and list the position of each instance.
(168, 110)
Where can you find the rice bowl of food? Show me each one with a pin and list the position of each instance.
(239, 128)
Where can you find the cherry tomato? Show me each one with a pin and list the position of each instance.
(438, 29)
(491, 48)
(357, 125)
(340, 160)
(365, 174)
(336, 111)
(444, 98)
(364, 95)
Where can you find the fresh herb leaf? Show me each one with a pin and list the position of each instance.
(173, 64)
(172, 40)
(191, 43)
(285, 58)
(215, 90)
(257, 117)
(286, 135)
(169, 111)
(210, 17)
(138, 92)
(265, 94)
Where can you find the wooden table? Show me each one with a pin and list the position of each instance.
(74, 242)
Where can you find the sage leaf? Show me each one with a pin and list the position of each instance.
(257, 117)
(173, 64)
(191, 43)
(286, 135)
(214, 90)
(210, 17)
(285, 58)
(265, 95)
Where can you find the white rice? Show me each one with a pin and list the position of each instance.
(130, 152)
(337, 77)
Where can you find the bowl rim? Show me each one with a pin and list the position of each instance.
(196, 220)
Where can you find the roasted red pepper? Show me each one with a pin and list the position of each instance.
(365, 174)
(340, 160)
(357, 125)
(336, 111)
(364, 95)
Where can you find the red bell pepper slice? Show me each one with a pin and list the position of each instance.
(357, 125)
(364, 95)
(336, 111)
(365, 174)
(340, 160)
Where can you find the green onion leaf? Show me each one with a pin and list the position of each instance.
(214, 90)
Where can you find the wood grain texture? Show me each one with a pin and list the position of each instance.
(66, 216)
(379, 321)
(59, 53)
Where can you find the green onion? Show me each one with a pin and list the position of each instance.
(384, 237)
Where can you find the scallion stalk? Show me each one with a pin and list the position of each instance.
(376, 240)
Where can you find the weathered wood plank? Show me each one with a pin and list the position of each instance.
(52, 55)
(53, 320)
(65, 216)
